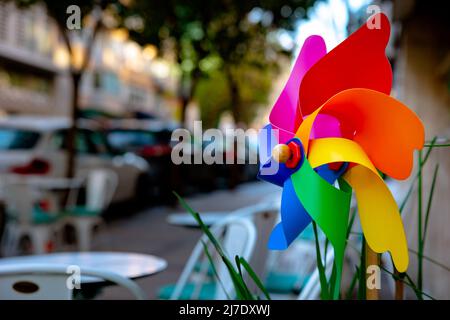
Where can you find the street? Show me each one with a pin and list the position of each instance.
(148, 232)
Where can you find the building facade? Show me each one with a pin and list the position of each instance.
(30, 81)
(122, 78)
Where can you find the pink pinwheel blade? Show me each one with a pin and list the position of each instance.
(326, 126)
(285, 113)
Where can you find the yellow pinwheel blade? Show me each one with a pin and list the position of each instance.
(328, 150)
(378, 211)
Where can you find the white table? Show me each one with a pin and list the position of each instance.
(126, 264)
(187, 220)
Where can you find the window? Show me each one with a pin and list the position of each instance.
(24, 80)
(13, 139)
(97, 139)
(127, 140)
(82, 144)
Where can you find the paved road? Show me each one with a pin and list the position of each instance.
(148, 232)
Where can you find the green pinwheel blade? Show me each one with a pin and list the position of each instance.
(328, 207)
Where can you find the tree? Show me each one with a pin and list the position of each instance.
(90, 15)
(225, 35)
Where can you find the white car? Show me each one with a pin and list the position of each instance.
(37, 146)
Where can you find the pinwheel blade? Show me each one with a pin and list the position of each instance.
(358, 62)
(328, 207)
(378, 211)
(294, 219)
(380, 219)
(285, 114)
(266, 142)
(387, 130)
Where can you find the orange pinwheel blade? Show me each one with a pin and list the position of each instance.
(385, 128)
(358, 62)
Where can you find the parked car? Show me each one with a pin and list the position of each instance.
(38, 146)
(149, 139)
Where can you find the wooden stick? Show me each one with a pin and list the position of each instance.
(399, 286)
(371, 259)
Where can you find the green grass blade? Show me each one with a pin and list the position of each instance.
(254, 277)
(238, 282)
(432, 144)
(349, 293)
(411, 187)
(440, 264)
(420, 224)
(430, 200)
(350, 223)
(247, 291)
(332, 281)
(437, 145)
(324, 292)
(203, 227)
(419, 294)
(205, 249)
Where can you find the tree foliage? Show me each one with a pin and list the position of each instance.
(236, 39)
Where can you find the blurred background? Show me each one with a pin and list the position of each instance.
(91, 91)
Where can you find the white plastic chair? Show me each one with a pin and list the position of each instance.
(101, 185)
(20, 200)
(50, 282)
(311, 289)
(238, 237)
(264, 215)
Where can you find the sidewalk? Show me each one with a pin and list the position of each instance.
(148, 232)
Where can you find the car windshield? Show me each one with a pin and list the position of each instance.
(86, 142)
(15, 139)
(131, 139)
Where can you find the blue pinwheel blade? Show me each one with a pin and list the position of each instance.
(266, 142)
(294, 219)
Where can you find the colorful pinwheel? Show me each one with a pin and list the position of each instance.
(335, 121)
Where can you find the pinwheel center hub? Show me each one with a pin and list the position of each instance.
(290, 154)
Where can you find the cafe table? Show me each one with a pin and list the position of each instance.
(188, 221)
(127, 264)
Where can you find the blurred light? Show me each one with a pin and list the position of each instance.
(61, 57)
(328, 19)
(210, 63)
(131, 53)
(286, 41)
(355, 5)
(299, 12)
(120, 34)
(77, 58)
(149, 52)
(160, 69)
(134, 23)
(267, 18)
(187, 65)
(255, 15)
(286, 11)
(108, 57)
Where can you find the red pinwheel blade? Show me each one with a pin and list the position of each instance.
(358, 62)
